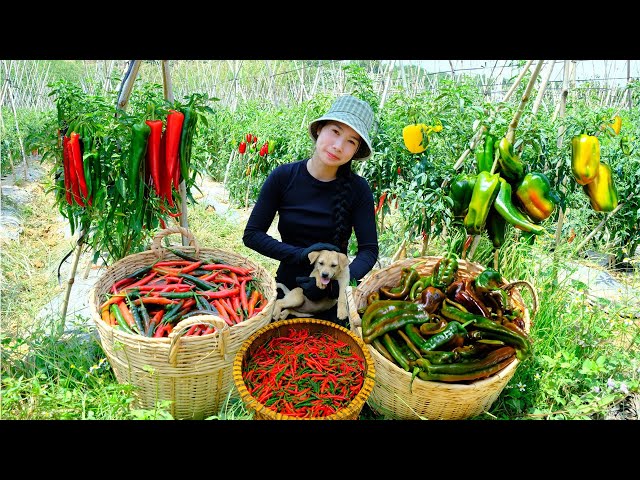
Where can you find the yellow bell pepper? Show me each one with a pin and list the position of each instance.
(414, 139)
(602, 191)
(585, 158)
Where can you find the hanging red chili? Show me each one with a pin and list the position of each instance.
(264, 149)
(172, 132)
(249, 137)
(67, 170)
(383, 197)
(153, 154)
(242, 147)
(76, 158)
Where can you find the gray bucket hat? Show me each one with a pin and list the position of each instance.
(354, 112)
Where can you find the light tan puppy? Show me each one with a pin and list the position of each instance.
(327, 265)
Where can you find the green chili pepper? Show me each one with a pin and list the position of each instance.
(491, 280)
(394, 321)
(485, 191)
(511, 167)
(139, 134)
(419, 286)
(445, 271)
(496, 227)
(510, 212)
(490, 328)
(460, 192)
(485, 156)
(186, 140)
(476, 369)
(394, 350)
(403, 290)
(452, 329)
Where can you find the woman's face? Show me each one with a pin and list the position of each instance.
(337, 143)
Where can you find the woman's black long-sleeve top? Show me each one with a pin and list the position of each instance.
(305, 207)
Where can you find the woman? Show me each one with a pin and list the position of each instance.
(320, 202)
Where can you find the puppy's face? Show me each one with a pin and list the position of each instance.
(327, 265)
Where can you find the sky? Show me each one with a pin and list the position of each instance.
(586, 70)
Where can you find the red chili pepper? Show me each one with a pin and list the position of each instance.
(222, 266)
(264, 149)
(76, 156)
(173, 131)
(66, 170)
(153, 158)
(242, 147)
(249, 136)
(222, 293)
(380, 202)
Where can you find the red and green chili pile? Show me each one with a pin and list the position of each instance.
(304, 374)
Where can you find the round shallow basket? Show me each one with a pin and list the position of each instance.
(194, 373)
(393, 395)
(313, 325)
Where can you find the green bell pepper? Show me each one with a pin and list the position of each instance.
(536, 197)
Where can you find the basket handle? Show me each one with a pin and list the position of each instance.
(156, 247)
(222, 329)
(534, 294)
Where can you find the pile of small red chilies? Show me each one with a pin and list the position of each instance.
(304, 374)
(152, 300)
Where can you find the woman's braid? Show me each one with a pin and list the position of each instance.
(342, 204)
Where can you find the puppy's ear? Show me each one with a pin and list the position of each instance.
(313, 256)
(343, 261)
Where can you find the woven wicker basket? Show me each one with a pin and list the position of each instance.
(391, 395)
(195, 372)
(282, 327)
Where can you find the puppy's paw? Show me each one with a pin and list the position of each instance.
(342, 312)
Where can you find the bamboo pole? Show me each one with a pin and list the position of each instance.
(70, 282)
(543, 87)
(601, 224)
(127, 83)
(15, 118)
(511, 131)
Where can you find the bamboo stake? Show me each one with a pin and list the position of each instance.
(72, 276)
(600, 225)
(511, 131)
(127, 83)
(15, 118)
(543, 87)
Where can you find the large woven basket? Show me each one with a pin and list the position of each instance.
(194, 373)
(393, 395)
(313, 325)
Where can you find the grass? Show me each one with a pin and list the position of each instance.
(585, 363)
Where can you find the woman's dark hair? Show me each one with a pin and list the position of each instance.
(342, 213)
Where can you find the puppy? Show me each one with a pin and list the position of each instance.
(327, 265)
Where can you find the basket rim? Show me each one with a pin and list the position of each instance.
(252, 403)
